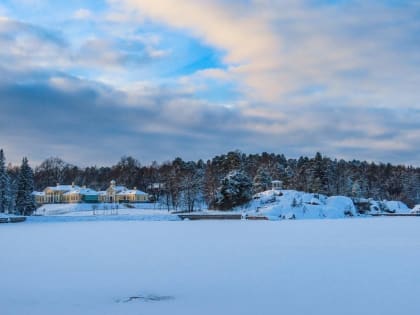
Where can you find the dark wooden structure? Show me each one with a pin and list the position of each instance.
(222, 216)
(12, 219)
(253, 217)
(396, 214)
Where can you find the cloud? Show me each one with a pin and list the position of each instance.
(293, 76)
(63, 113)
(365, 51)
(31, 47)
(82, 14)
(91, 123)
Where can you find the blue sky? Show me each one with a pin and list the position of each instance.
(90, 81)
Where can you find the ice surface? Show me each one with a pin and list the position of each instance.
(327, 267)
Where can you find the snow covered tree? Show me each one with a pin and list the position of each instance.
(301, 175)
(262, 181)
(4, 184)
(50, 172)
(318, 178)
(235, 190)
(127, 171)
(211, 183)
(171, 185)
(25, 202)
(356, 190)
(287, 177)
(191, 184)
(13, 174)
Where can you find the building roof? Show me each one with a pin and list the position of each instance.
(131, 192)
(62, 187)
(38, 193)
(119, 188)
(82, 191)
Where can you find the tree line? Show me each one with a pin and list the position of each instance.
(222, 182)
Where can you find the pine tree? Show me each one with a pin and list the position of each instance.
(287, 177)
(356, 190)
(13, 174)
(4, 184)
(235, 190)
(25, 202)
(262, 181)
(318, 176)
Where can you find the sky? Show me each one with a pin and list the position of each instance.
(90, 81)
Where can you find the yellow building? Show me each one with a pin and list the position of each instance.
(39, 197)
(80, 195)
(116, 193)
(102, 196)
(132, 195)
(54, 194)
(110, 195)
(73, 194)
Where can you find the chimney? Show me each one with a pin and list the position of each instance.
(58, 184)
(135, 188)
(84, 187)
(72, 184)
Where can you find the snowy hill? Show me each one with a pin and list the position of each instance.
(292, 204)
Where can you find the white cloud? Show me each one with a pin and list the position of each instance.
(363, 52)
(35, 48)
(343, 81)
(82, 14)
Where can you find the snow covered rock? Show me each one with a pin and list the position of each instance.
(339, 207)
(416, 209)
(292, 204)
(396, 207)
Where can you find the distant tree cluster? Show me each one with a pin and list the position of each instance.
(223, 182)
(16, 187)
(231, 179)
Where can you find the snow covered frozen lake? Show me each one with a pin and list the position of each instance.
(345, 266)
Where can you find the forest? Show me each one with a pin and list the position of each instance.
(222, 182)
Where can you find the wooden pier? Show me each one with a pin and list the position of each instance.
(221, 216)
(395, 214)
(12, 219)
(253, 217)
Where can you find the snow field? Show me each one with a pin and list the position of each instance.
(354, 266)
